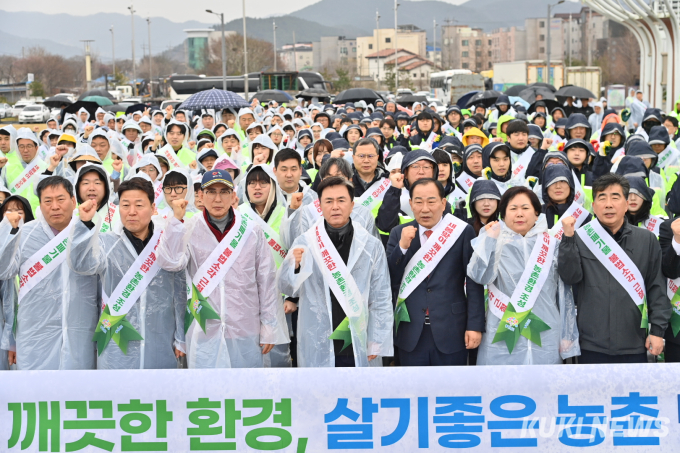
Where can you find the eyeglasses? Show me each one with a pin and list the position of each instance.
(368, 156)
(179, 190)
(276, 134)
(419, 168)
(259, 183)
(212, 193)
(29, 146)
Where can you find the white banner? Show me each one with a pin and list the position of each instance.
(555, 408)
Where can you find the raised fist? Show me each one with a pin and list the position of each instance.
(296, 200)
(407, 236)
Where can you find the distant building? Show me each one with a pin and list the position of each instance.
(434, 55)
(417, 68)
(333, 51)
(466, 48)
(410, 38)
(508, 44)
(297, 58)
(196, 43)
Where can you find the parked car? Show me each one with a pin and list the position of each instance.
(166, 103)
(36, 113)
(5, 110)
(19, 106)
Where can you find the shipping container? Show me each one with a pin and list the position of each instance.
(506, 75)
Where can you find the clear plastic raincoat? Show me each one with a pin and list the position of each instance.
(501, 262)
(158, 314)
(56, 319)
(367, 264)
(246, 299)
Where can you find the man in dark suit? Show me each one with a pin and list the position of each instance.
(444, 322)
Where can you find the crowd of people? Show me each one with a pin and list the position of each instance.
(361, 234)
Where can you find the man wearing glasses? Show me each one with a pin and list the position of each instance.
(237, 312)
(21, 176)
(395, 208)
(176, 187)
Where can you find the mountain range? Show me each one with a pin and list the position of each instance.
(62, 33)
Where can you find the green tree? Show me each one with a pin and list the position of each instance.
(119, 79)
(37, 89)
(343, 82)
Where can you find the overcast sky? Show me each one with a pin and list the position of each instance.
(174, 10)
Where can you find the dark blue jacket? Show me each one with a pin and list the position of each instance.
(451, 312)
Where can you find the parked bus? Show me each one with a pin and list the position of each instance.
(448, 86)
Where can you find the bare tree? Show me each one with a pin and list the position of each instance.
(260, 56)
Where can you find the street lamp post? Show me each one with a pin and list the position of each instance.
(134, 64)
(148, 23)
(113, 51)
(377, 46)
(224, 51)
(275, 57)
(547, 50)
(396, 67)
(245, 53)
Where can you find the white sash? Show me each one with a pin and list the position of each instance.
(423, 262)
(137, 278)
(522, 163)
(653, 224)
(157, 192)
(430, 141)
(26, 178)
(315, 209)
(614, 259)
(619, 152)
(667, 156)
(531, 281)
(404, 204)
(466, 181)
(218, 263)
(374, 194)
(576, 211)
(672, 286)
(43, 262)
(169, 154)
(273, 239)
(108, 212)
(579, 193)
(339, 279)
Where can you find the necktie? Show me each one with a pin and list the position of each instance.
(427, 234)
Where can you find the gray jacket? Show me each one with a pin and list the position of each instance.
(608, 320)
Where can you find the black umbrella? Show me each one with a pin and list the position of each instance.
(544, 85)
(57, 101)
(530, 94)
(514, 90)
(115, 108)
(550, 104)
(575, 92)
(97, 92)
(410, 99)
(272, 95)
(313, 93)
(136, 108)
(357, 94)
(91, 107)
(485, 98)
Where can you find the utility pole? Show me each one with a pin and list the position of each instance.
(148, 23)
(548, 49)
(589, 30)
(134, 64)
(396, 68)
(434, 38)
(245, 53)
(113, 51)
(88, 62)
(224, 51)
(294, 52)
(377, 45)
(275, 56)
(569, 43)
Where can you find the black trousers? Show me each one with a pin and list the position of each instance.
(427, 354)
(672, 352)
(344, 361)
(592, 357)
